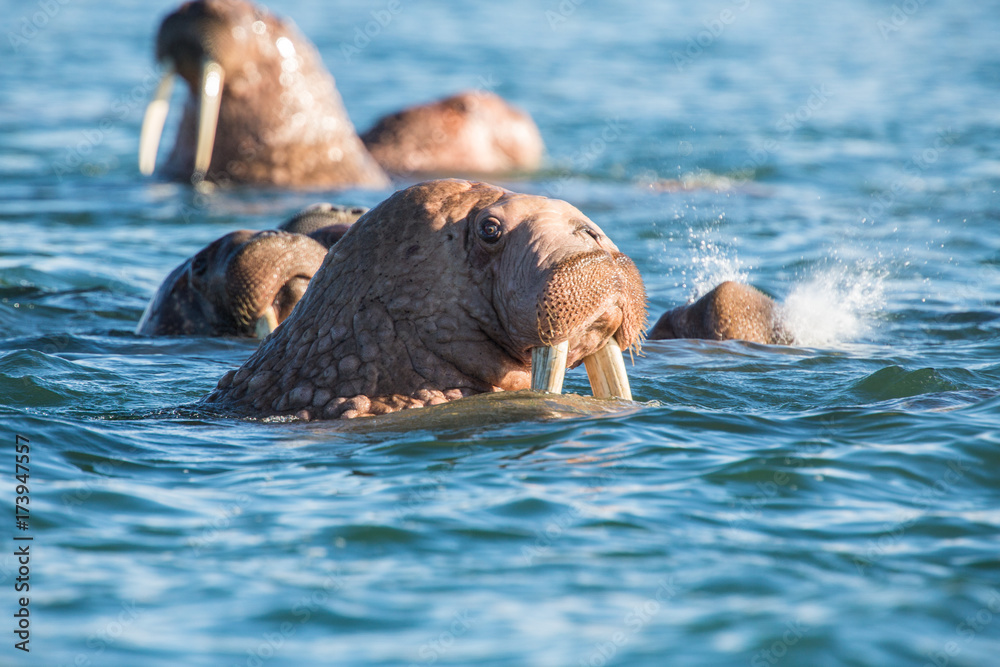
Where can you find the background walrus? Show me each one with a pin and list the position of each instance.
(264, 110)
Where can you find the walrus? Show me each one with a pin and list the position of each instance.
(262, 108)
(246, 283)
(324, 221)
(242, 284)
(731, 311)
(474, 132)
(446, 289)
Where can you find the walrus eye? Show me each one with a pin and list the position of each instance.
(199, 265)
(490, 230)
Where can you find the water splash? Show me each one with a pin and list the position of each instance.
(835, 306)
(712, 262)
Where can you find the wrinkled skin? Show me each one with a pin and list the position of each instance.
(731, 311)
(441, 291)
(473, 132)
(231, 284)
(281, 120)
(324, 222)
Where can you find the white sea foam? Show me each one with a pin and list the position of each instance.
(712, 262)
(836, 305)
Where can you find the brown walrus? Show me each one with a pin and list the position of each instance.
(731, 311)
(447, 289)
(262, 109)
(242, 284)
(324, 221)
(474, 132)
(246, 283)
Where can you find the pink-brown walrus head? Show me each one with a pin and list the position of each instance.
(447, 289)
(474, 132)
(242, 284)
(263, 110)
(731, 311)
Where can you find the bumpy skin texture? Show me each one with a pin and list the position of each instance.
(232, 282)
(282, 121)
(731, 311)
(474, 132)
(439, 292)
(324, 222)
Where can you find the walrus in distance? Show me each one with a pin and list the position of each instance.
(263, 110)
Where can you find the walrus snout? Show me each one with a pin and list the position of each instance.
(592, 308)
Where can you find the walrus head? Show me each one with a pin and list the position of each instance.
(731, 311)
(474, 132)
(324, 221)
(446, 289)
(243, 284)
(263, 109)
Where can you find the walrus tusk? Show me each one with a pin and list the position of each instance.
(606, 370)
(209, 101)
(152, 122)
(266, 323)
(548, 367)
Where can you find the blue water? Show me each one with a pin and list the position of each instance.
(826, 504)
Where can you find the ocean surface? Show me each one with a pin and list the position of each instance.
(832, 503)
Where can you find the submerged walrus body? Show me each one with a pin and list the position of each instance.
(263, 110)
(447, 289)
(731, 311)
